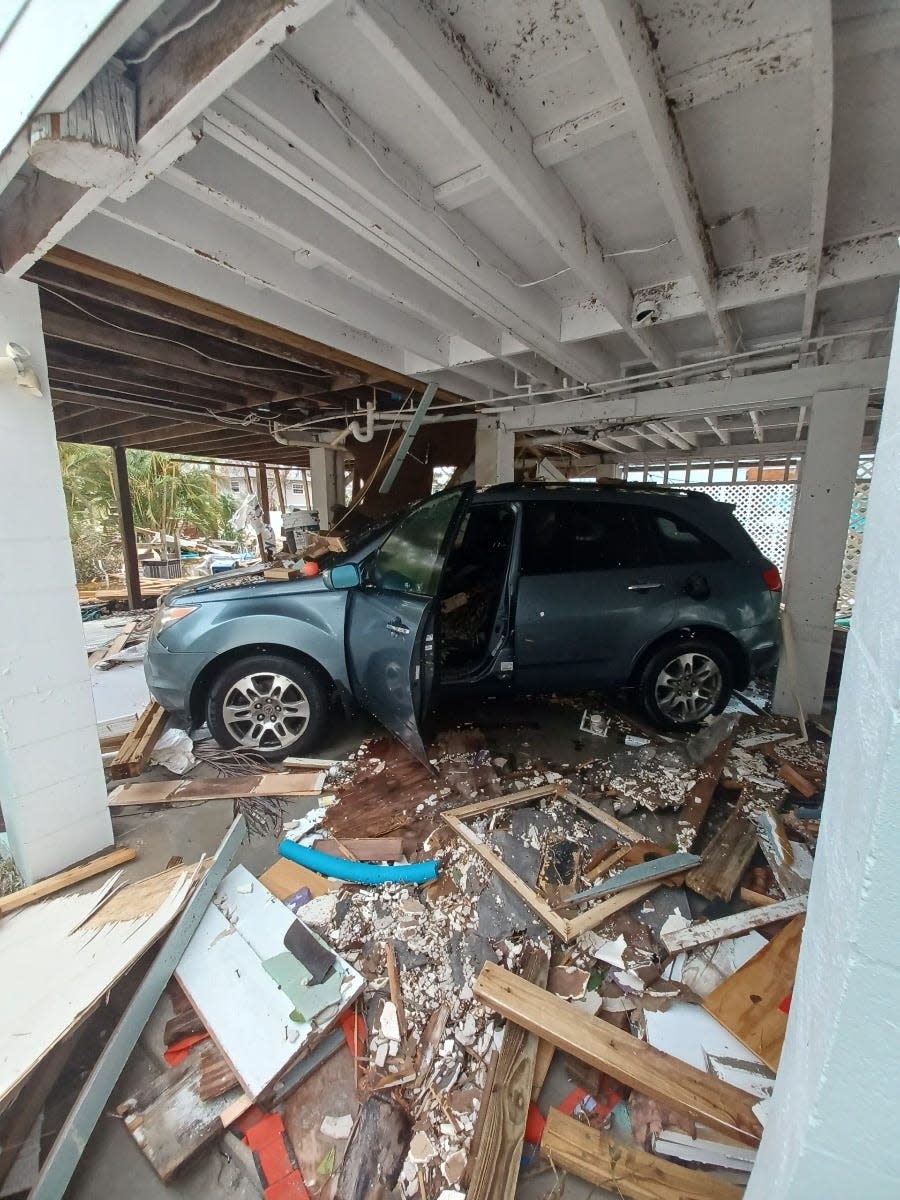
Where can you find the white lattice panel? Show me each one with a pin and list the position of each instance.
(764, 509)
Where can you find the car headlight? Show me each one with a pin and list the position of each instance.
(168, 616)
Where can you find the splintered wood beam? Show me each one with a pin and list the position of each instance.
(625, 43)
(56, 883)
(822, 68)
(705, 933)
(623, 1168)
(633, 1062)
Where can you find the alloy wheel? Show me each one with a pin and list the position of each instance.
(265, 711)
(688, 687)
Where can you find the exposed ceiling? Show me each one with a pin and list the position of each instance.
(511, 197)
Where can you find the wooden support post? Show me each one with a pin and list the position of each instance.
(126, 527)
(307, 496)
(262, 495)
(279, 488)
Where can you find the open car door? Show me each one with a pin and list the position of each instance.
(391, 618)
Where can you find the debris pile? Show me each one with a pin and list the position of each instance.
(347, 1029)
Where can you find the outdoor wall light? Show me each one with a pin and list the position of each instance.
(14, 368)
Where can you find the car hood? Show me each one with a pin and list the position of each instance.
(233, 583)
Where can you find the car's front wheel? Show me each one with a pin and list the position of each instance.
(268, 704)
(683, 682)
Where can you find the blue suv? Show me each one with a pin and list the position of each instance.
(519, 587)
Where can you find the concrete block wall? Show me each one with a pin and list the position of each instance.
(833, 1128)
(52, 789)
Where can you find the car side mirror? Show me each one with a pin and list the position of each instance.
(344, 577)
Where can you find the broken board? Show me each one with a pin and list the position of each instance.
(330, 1091)
(179, 791)
(137, 747)
(227, 973)
(624, 1169)
(626, 1058)
(751, 1004)
(285, 878)
(170, 1122)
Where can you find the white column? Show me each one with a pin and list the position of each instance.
(818, 540)
(495, 450)
(52, 789)
(326, 469)
(832, 1130)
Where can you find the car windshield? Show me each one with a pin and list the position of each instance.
(410, 557)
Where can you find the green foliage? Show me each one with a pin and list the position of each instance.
(169, 498)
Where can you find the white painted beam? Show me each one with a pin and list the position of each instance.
(756, 282)
(199, 230)
(823, 113)
(424, 51)
(723, 436)
(233, 186)
(757, 428)
(625, 44)
(303, 135)
(772, 389)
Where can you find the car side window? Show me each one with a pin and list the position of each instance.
(410, 559)
(681, 543)
(562, 537)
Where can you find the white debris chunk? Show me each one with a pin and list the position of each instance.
(337, 1127)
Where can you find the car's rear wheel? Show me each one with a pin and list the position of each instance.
(683, 682)
(269, 705)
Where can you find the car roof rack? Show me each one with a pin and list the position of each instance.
(612, 485)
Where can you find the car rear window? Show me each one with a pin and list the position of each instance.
(676, 541)
(563, 537)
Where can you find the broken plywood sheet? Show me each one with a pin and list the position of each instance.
(45, 945)
(260, 1028)
(688, 1033)
(753, 1003)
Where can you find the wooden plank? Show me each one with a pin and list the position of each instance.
(376, 1150)
(622, 831)
(624, 1169)
(396, 991)
(728, 855)
(381, 849)
(542, 1062)
(798, 782)
(170, 1120)
(699, 798)
(138, 745)
(56, 883)
(631, 1061)
(495, 1171)
(118, 643)
(748, 1004)
(284, 879)
(704, 933)
(275, 783)
(508, 801)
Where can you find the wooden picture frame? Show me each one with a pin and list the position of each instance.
(565, 928)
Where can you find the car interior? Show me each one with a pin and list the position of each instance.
(472, 586)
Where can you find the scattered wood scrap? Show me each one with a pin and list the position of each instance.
(180, 791)
(56, 883)
(703, 933)
(626, 1058)
(753, 1003)
(135, 751)
(495, 1172)
(697, 802)
(323, 543)
(376, 1150)
(118, 643)
(728, 855)
(625, 1170)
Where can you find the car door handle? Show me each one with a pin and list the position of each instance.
(643, 587)
(397, 626)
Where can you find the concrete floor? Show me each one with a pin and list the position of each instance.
(525, 728)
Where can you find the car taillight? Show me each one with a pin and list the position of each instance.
(772, 578)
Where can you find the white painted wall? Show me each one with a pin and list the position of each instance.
(52, 789)
(833, 1128)
(818, 541)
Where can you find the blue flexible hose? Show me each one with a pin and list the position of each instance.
(357, 872)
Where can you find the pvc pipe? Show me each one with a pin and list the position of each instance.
(356, 872)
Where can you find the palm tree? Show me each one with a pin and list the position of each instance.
(166, 495)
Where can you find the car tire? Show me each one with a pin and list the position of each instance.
(684, 681)
(269, 705)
